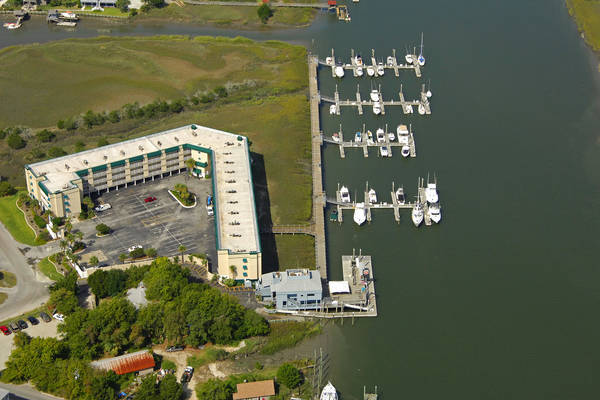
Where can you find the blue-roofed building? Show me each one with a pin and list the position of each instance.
(294, 289)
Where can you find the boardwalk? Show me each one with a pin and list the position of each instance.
(255, 4)
(293, 229)
(317, 174)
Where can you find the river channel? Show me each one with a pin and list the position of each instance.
(499, 301)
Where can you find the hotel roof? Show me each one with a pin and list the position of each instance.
(237, 229)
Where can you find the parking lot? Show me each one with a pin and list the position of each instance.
(43, 329)
(162, 224)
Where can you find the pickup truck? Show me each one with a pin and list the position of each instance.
(188, 372)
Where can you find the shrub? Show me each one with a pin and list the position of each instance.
(58, 221)
(78, 246)
(220, 91)
(102, 142)
(56, 152)
(45, 136)
(15, 141)
(6, 189)
(113, 117)
(70, 124)
(151, 252)
(264, 13)
(103, 229)
(137, 253)
(289, 375)
(39, 221)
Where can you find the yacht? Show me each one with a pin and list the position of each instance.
(332, 109)
(384, 151)
(374, 95)
(391, 136)
(405, 151)
(345, 195)
(421, 58)
(390, 61)
(358, 137)
(380, 135)
(421, 109)
(360, 214)
(336, 137)
(380, 69)
(377, 108)
(400, 195)
(359, 71)
(12, 25)
(339, 71)
(428, 94)
(66, 23)
(431, 194)
(370, 70)
(435, 213)
(372, 196)
(358, 60)
(408, 58)
(70, 16)
(329, 60)
(402, 130)
(417, 212)
(370, 137)
(408, 109)
(329, 392)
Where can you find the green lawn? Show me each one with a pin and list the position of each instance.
(7, 279)
(587, 16)
(3, 297)
(49, 269)
(14, 221)
(295, 251)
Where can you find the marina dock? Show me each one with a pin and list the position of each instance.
(365, 143)
(390, 63)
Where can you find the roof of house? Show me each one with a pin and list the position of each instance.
(126, 363)
(254, 389)
(293, 280)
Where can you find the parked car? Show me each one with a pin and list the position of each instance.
(132, 248)
(58, 316)
(22, 324)
(33, 320)
(45, 317)
(103, 207)
(5, 330)
(188, 372)
(14, 327)
(149, 199)
(173, 349)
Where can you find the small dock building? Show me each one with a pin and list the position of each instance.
(294, 289)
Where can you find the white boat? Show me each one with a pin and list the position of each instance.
(408, 109)
(391, 136)
(370, 70)
(358, 60)
(421, 109)
(405, 151)
(390, 61)
(417, 213)
(329, 392)
(358, 137)
(435, 213)
(336, 137)
(400, 195)
(332, 109)
(377, 108)
(402, 130)
(408, 58)
(383, 150)
(66, 23)
(360, 214)
(372, 196)
(374, 95)
(380, 69)
(428, 94)
(339, 71)
(380, 135)
(431, 194)
(359, 71)
(403, 139)
(370, 137)
(345, 195)
(329, 60)
(69, 16)
(421, 58)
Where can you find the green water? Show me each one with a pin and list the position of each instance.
(499, 301)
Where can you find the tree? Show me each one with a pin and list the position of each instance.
(190, 164)
(136, 253)
(103, 229)
(94, 261)
(107, 283)
(165, 280)
(64, 301)
(45, 136)
(214, 389)
(264, 12)
(15, 141)
(122, 257)
(182, 249)
(151, 252)
(6, 189)
(68, 226)
(233, 270)
(170, 389)
(56, 152)
(221, 91)
(289, 375)
(148, 389)
(102, 142)
(149, 4)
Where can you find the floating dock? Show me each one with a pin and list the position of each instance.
(390, 63)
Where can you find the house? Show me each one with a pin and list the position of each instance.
(99, 3)
(261, 390)
(294, 289)
(141, 362)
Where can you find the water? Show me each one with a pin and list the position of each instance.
(500, 301)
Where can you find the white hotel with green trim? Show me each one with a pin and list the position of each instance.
(61, 183)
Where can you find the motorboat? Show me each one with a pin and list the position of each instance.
(377, 108)
(390, 61)
(374, 95)
(431, 194)
(12, 25)
(391, 136)
(421, 109)
(400, 195)
(417, 213)
(435, 213)
(370, 70)
(339, 71)
(360, 214)
(401, 130)
(370, 137)
(405, 151)
(359, 71)
(408, 109)
(380, 69)
(70, 16)
(358, 60)
(336, 137)
(332, 109)
(408, 58)
(403, 139)
(428, 94)
(329, 392)
(344, 195)
(384, 151)
(67, 23)
(329, 60)
(358, 137)
(380, 135)
(372, 196)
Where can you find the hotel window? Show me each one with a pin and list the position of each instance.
(245, 267)
(245, 260)
(245, 274)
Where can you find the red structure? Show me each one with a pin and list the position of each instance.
(332, 3)
(134, 362)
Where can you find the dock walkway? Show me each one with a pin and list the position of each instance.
(254, 4)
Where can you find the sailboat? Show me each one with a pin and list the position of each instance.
(370, 137)
(408, 57)
(329, 392)
(421, 58)
(421, 109)
(370, 70)
(374, 94)
(360, 214)
(380, 68)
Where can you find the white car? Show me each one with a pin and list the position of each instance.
(103, 207)
(58, 317)
(132, 248)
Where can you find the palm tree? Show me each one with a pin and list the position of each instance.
(191, 258)
(63, 245)
(190, 164)
(94, 261)
(181, 249)
(79, 235)
(68, 226)
(233, 270)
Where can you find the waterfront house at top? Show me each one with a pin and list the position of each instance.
(294, 289)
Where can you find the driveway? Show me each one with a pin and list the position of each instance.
(31, 289)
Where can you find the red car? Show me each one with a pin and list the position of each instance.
(5, 330)
(149, 199)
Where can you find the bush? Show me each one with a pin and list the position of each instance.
(56, 152)
(289, 375)
(107, 283)
(70, 124)
(6, 189)
(39, 221)
(58, 221)
(113, 117)
(45, 136)
(102, 142)
(78, 246)
(264, 13)
(151, 252)
(137, 253)
(15, 141)
(103, 229)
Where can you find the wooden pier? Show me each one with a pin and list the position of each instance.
(369, 396)
(400, 141)
(391, 63)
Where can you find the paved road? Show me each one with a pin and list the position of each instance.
(26, 392)
(255, 4)
(29, 292)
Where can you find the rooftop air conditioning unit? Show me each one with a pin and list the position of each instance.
(122, 152)
(67, 166)
(159, 143)
(141, 148)
(176, 139)
(85, 162)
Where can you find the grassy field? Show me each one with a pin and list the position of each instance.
(587, 16)
(7, 279)
(49, 270)
(13, 220)
(289, 257)
(238, 16)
